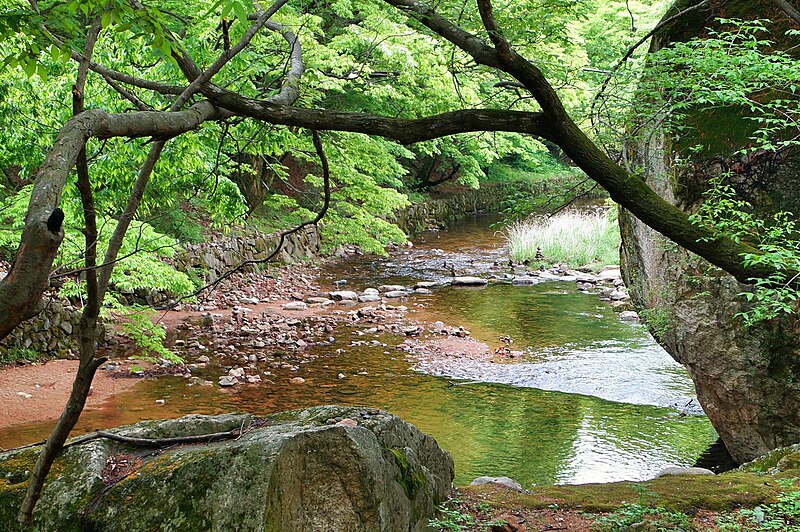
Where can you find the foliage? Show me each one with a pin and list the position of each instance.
(142, 248)
(776, 238)
(451, 520)
(653, 518)
(783, 515)
(136, 323)
(735, 69)
(572, 237)
(14, 354)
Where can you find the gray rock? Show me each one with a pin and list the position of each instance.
(369, 298)
(525, 280)
(295, 305)
(618, 295)
(293, 473)
(426, 284)
(249, 300)
(392, 288)
(318, 300)
(423, 291)
(503, 481)
(227, 381)
(396, 294)
(684, 471)
(467, 280)
(343, 295)
(609, 273)
(628, 315)
(372, 291)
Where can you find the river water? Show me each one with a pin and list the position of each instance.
(593, 399)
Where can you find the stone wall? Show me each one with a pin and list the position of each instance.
(218, 255)
(53, 332)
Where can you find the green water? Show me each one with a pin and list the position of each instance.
(507, 424)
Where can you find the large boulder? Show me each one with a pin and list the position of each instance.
(298, 470)
(746, 378)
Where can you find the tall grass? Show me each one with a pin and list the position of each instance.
(574, 238)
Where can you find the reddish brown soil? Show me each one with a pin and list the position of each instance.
(48, 386)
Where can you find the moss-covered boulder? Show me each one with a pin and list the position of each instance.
(292, 471)
(746, 378)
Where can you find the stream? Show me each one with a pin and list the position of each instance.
(592, 399)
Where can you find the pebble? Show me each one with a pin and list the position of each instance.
(347, 422)
(297, 380)
(25, 395)
(160, 401)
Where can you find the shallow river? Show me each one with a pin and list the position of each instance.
(594, 399)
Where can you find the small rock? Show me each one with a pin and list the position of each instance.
(413, 330)
(25, 395)
(253, 379)
(426, 284)
(347, 422)
(525, 280)
(369, 298)
(343, 295)
(396, 294)
(203, 359)
(341, 375)
(373, 291)
(629, 315)
(508, 523)
(295, 305)
(617, 295)
(227, 380)
(297, 380)
(468, 281)
(503, 481)
(423, 291)
(160, 401)
(249, 300)
(391, 288)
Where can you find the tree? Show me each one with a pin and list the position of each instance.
(233, 90)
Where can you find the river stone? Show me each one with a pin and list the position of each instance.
(369, 298)
(396, 294)
(468, 281)
(372, 291)
(629, 315)
(295, 305)
(343, 295)
(391, 288)
(426, 284)
(684, 471)
(609, 274)
(291, 473)
(525, 280)
(510, 483)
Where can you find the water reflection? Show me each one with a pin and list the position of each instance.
(508, 426)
